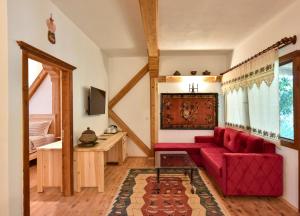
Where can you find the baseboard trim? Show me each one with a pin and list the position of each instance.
(288, 204)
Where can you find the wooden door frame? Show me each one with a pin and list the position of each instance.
(294, 57)
(66, 69)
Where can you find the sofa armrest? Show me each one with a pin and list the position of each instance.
(252, 174)
(204, 139)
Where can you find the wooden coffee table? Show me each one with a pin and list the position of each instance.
(165, 160)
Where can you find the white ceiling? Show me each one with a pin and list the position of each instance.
(116, 26)
(212, 24)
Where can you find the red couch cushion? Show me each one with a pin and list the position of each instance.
(213, 159)
(268, 147)
(231, 139)
(219, 136)
(254, 144)
(204, 139)
(249, 143)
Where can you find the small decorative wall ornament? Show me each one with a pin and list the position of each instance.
(193, 72)
(177, 73)
(206, 73)
(51, 30)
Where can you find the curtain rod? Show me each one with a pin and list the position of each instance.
(279, 44)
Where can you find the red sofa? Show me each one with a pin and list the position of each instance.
(241, 164)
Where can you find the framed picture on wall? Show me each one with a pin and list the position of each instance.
(189, 111)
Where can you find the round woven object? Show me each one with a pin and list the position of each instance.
(88, 136)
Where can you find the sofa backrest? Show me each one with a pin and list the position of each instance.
(231, 139)
(268, 147)
(219, 136)
(249, 143)
(238, 141)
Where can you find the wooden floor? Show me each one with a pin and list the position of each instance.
(89, 202)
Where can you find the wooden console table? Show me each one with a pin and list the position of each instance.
(49, 166)
(90, 162)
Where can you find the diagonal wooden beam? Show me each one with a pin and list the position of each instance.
(149, 12)
(37, 82)
(130, 133)
(128, 86)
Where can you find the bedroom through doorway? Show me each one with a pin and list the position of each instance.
(45, 156)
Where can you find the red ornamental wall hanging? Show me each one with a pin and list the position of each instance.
(51, 30)
(193, 111)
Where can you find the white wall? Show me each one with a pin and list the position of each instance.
(283, 25)
(41, 101)
(215, 62)
(185, 61)
(134, 108)
(4, 179)
(27, 22)
(34, 69)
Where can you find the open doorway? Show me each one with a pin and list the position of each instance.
(59, 122)
(45, 156)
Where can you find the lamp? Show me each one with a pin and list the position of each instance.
(192, 87)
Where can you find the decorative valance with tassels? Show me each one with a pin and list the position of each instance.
(255, 71)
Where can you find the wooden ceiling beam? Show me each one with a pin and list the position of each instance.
(149, 12)
(37, 82)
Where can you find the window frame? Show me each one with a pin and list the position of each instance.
(293, 57)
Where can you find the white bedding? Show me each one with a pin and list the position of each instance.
(36, 141)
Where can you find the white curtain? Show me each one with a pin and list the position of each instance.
(264, 108)
(255, 71)
(252, 96)
(237, 108)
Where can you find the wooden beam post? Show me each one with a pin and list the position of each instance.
(67, 135)
(56, 97)
(153, 71)
(149, 12)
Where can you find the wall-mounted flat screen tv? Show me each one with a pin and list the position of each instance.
(96, 101)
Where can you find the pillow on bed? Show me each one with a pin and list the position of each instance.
(39, 128)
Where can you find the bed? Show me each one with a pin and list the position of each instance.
(41, 132)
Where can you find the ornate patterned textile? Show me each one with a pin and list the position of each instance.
(139, 196)
(189, 111)
(256, 71)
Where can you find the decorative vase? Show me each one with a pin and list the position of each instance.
(206, 73)
(88, 138)
(193, 73)
(176, 73)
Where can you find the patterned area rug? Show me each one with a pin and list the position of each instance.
(139, 195)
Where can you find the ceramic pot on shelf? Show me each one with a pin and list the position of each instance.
(88, 138)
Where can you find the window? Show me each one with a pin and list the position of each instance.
(289, 106)
(286, 104)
